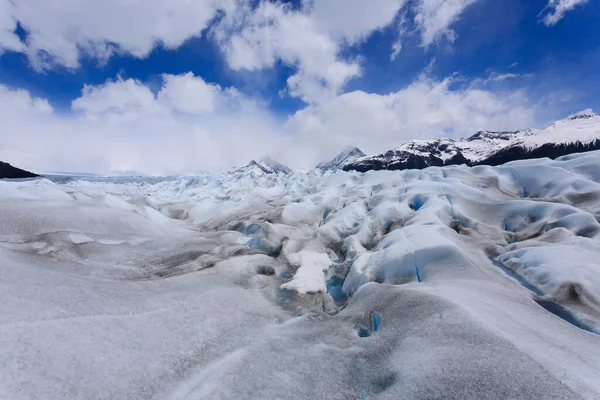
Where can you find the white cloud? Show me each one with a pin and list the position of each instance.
(309, 38)
(352, 20)
(402, 32)
(312, 37)
(256, 39)
(122, 125)
(60, 30)
(189, 94)
(432, 20)
(396, 49)
(131, 99)
(435, 17)
(189, 124)
(502, 77)
(426, 109)
(8, 39)
(118, 97)
(496, 77)
(556, 10)
(19, 102)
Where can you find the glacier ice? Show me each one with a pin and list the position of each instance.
(453, 282)
(310, 276)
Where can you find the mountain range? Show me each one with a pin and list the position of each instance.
(346, 157)
(575, 134)
(264, 166)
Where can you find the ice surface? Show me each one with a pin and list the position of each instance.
(310, 277)
(79, 238)
(454, 283)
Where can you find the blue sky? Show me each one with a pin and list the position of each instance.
(299, 81)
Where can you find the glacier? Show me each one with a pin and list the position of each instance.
(449, 282)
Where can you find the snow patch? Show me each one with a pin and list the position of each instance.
(310, 276)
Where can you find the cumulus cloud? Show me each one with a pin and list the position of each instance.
(189, 94)
(118, 97)
(352, 20)
(425, 109)
(122, 125)
(257, 38)
(556, 10)
(20, 102)
(59, 31)
(252, 37)
(179, 94)
(311, 38)
(308, 38)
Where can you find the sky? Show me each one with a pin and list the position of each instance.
(179, 86)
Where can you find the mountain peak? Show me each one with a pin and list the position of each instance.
(482, 135)
(265, 166)
(352, 150)
(275, 166)
(585, 114)
(349, 154)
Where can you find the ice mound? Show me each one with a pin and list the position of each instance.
(451, 282)
(310, 276)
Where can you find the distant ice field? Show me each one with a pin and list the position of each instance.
(449, 283)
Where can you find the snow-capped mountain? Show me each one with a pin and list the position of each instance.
(265, 166)
(347, 156)
(574, 134)
(415, 154)
(484, 144)
(275, 167)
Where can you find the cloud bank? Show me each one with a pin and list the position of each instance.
(189, 124)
